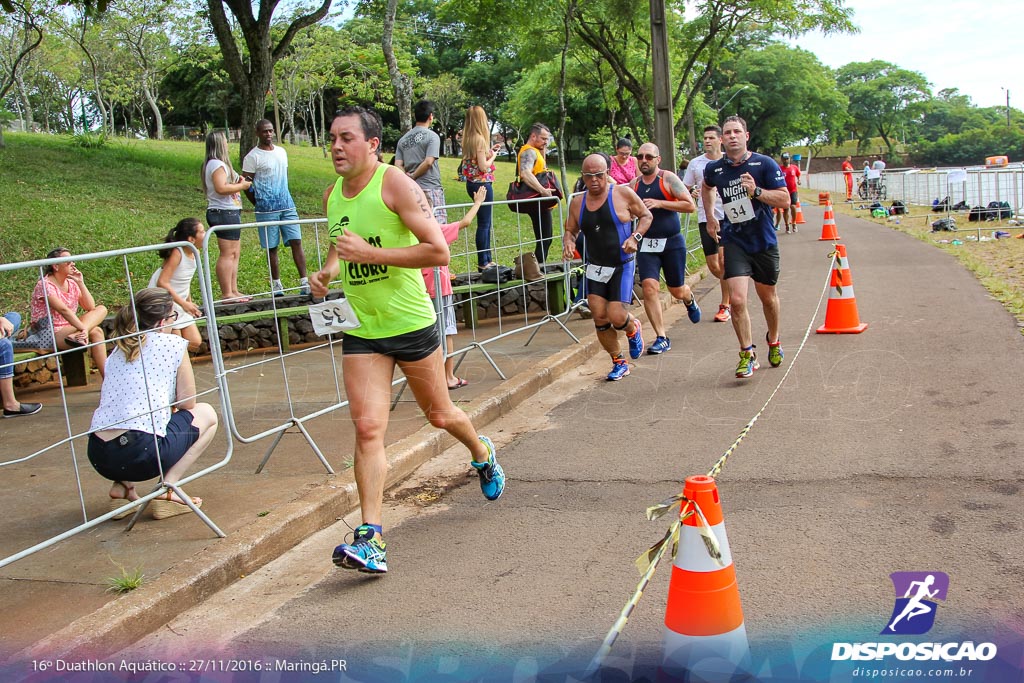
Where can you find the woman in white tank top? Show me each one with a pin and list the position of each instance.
(175, 275)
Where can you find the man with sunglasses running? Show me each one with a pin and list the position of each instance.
(604, 214)
(663, 247)
(750, 185)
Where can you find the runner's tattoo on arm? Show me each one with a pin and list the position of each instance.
(676, 186)
(526, 161)
(421, 200)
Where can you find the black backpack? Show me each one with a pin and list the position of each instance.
(961, 206)
(898, 208)
(1004, 210)
(496, 274)
(944, 225)
(977, 214)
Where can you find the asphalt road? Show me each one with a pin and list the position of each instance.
(895, 450)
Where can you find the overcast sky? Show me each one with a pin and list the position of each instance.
(965, 44)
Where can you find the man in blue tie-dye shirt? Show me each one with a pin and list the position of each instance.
(266, 165)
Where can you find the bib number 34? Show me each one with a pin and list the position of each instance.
(739, 210)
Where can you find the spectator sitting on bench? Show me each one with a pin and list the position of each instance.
(135, 434)
(65, 292)
(9, 324)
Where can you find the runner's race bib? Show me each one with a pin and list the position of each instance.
(739, 210)
(330, 317)
(600, 273)
(653, 245)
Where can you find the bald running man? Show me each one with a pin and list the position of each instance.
(604, 214)
(664, 247)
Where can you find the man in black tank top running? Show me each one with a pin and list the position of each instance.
(664, 247)
(604, 214)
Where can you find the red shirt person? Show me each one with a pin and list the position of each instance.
(791, 172)
(848, 177)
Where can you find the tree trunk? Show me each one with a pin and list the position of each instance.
(27, 115)
(158, 121)
(570, 10)
(252, 78)
(323, 125)
(254, 108)
(401, 83)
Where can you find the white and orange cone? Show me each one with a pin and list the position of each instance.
(704, 631)
(799, 215)
(841, 315)
(828, 228)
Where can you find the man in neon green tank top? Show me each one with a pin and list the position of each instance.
(383, 232)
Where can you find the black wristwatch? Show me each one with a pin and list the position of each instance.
(757, 192)
(638, 237)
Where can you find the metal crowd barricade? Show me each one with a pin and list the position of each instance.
(554, 312)
(75, 434)
(294, 420)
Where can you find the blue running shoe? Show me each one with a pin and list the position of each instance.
(367, 552)
(660, 345)
(693, 310)
(636, 342)
(748, 363)
(492, 476)
(620, 368)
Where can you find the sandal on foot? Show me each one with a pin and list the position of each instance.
(124, 504)
(459, 383)
(164, 506)
(74, 342)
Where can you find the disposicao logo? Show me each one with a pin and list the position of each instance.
(914, 614)
(915, 608)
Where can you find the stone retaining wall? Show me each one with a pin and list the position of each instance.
(260, 334)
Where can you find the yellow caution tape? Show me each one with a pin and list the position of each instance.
(647, 562)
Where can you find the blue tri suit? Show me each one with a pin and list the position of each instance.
(604, 234)
(666, 229)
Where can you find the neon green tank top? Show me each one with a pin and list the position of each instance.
(389, 301)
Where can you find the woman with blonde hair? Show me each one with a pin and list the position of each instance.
(478, 168)
(148, 422)
(224, 207)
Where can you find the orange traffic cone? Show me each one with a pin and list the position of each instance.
(841, 314)
(799, 215)
(704, 629)
(828, 228)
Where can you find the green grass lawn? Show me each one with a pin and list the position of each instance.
(130, 193)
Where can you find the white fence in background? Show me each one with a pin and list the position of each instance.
(921, 186)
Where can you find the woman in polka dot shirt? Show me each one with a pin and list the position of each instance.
(136, 433)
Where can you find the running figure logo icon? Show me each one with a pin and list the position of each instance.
(915, 608)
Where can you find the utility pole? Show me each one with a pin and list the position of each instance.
(1007, 107)
(664, 130)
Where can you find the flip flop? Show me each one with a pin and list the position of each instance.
(458, 385)
(164, 507)
(74, 343)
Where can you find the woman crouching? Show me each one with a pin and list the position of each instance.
(136, 433)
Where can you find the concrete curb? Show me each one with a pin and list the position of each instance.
(122, 622)
(126, 620)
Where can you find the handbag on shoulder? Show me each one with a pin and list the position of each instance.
(519, 191)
